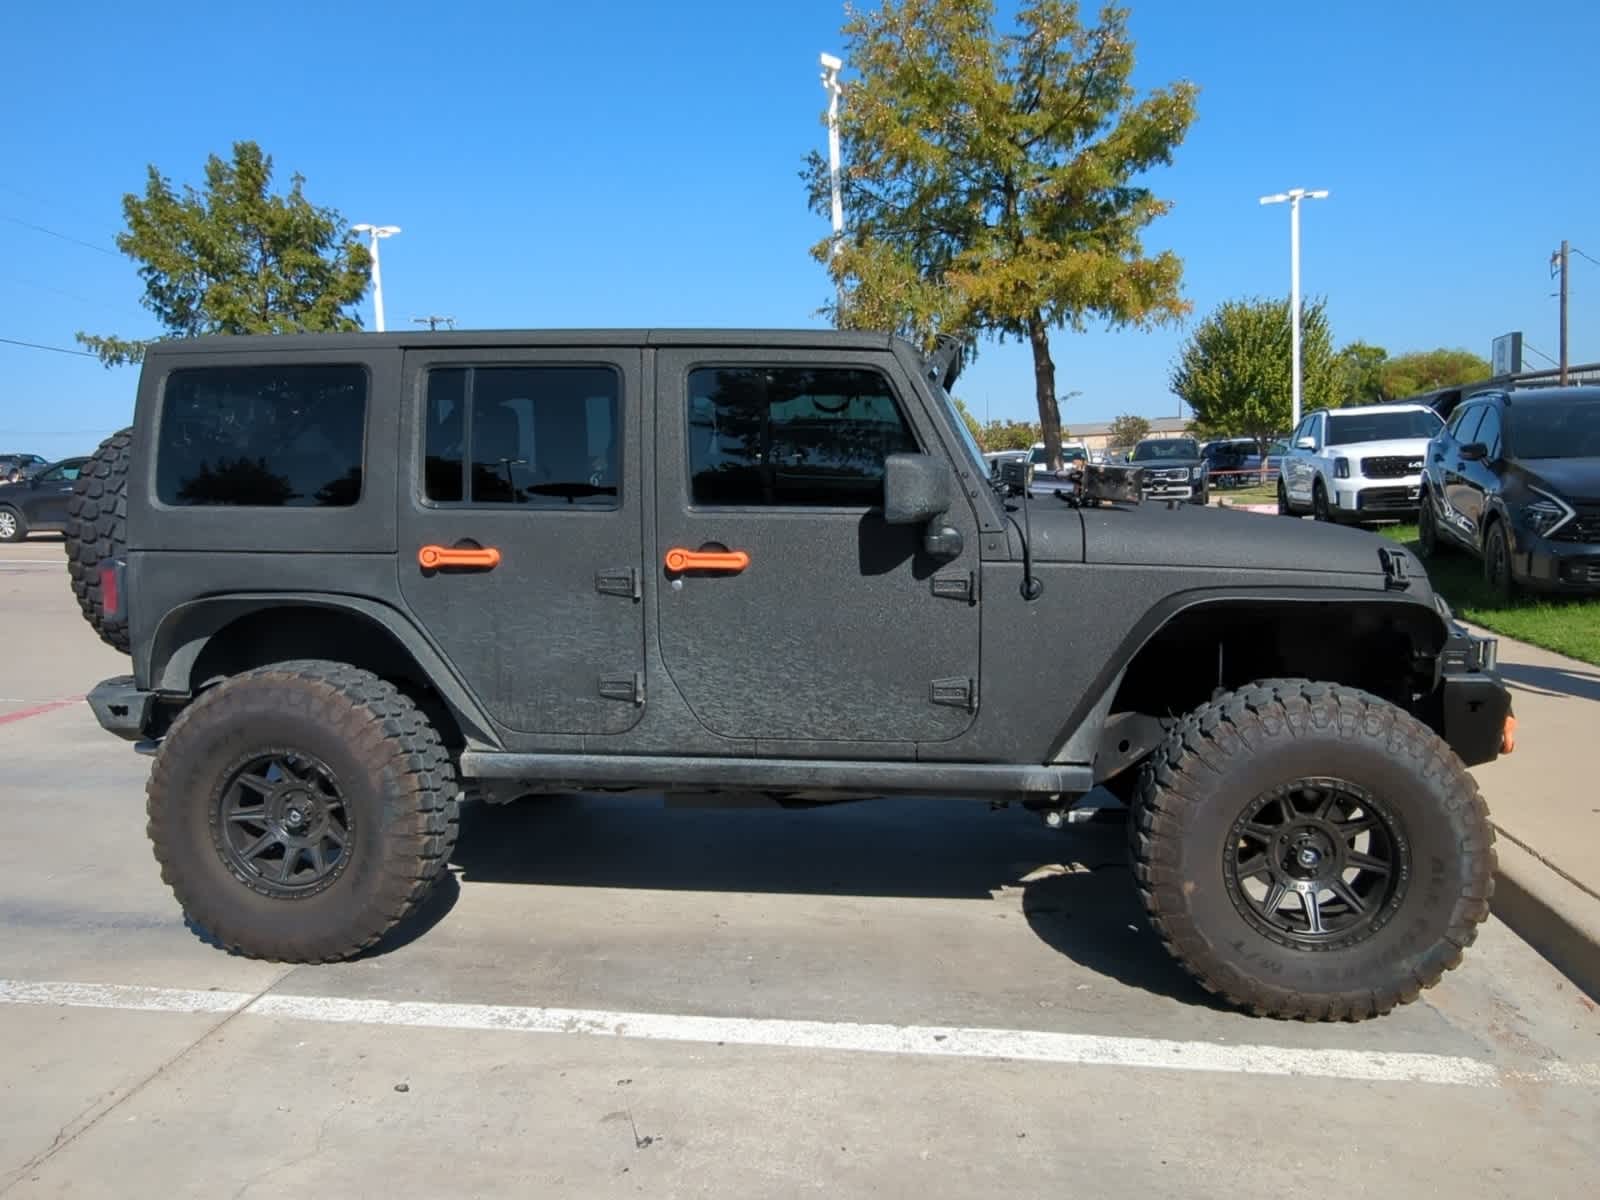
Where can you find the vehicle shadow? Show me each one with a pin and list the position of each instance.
(1077, 895)
(1552, 681)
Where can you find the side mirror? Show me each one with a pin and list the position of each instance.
(1305, 443)
(916, 491)
(1474, 452)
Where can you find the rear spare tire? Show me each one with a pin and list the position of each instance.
(1309, 850)
(97, 532)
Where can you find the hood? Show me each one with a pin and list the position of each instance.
(1394, 448)
(1175, 460)
(1193, 536)
(1573, 479)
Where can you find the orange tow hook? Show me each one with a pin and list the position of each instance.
(1508, 735)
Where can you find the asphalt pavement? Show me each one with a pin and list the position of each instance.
(614, 996)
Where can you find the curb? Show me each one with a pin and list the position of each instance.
(1553, 915)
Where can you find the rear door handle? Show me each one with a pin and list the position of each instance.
(732, 561)
(431, 558)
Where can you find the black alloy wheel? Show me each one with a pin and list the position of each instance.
(282, 824)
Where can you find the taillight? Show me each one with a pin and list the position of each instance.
(111, 588)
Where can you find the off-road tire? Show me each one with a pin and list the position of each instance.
(16, 529)
(97, 531)
(1244, 743)
(395, 775)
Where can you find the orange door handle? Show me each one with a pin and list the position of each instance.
(433, 557)
(679, 559)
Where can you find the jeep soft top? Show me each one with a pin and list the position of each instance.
(363, 576)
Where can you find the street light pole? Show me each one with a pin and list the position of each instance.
(1294, 196)
(374, 234)
(831, 66)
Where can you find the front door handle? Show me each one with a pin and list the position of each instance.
(732, 561)
(431, 558)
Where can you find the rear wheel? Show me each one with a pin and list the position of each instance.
(13, 525)
(1308, 850)
(301, 811)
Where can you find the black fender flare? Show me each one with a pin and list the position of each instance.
(1080, 738)
(184, 633)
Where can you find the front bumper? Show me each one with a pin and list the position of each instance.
(1548, 565)
(122, 707)
(1473, 704)
(1364, 499)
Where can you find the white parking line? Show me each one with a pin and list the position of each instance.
(951, 1042)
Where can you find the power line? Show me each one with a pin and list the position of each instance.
(65, 237)
(1526, 345)
(1581, 254)
(53, 349)
(81, 299)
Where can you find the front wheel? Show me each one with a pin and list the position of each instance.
(1319, 503)
(1497, 563)
(1284, 510)
(1308, 850)
(1427, 529)
(301, 811)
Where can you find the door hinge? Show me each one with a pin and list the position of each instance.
(955, 693)
(629, 688)
(619, 581)
(957, 587)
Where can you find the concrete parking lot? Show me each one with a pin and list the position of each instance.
(617, 997)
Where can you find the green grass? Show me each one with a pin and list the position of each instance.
(1263, 494)
(1566, 626)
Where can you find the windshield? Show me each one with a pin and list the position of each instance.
(1553, 430)
(1166, 448)
(1068, 454)
(1349, 428)
(969, 443)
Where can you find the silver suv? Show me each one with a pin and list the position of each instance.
(1357, 464)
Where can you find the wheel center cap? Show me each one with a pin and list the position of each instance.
(1309, 856)
(294, 818)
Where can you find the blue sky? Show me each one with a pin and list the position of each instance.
(636, 164)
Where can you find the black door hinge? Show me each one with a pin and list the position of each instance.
(957, 587)
(629, 688)
(958, 692)
(619, 581)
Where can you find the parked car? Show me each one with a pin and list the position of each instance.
(16, 467)
(1357, 464)
(1174, 469)
(38, 504)
(751, 562)
(1515, 479)
(1232, 462)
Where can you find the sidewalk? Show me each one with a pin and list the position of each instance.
(1545, 803)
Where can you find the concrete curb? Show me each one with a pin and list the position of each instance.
(1552, 914)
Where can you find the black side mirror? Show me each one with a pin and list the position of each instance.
(1474, 452)
(916, 491)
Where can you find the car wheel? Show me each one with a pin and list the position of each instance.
(1497, 562)
(1319, 503)
(13, 526)
(301, 811)
(1427, 529)
(1308, 850)
(1284, 510)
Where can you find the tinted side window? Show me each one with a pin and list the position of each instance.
(264, 437)
(1465, 432)
(1489, 431)
(541, 436)
(792, 435)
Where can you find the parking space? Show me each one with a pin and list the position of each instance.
(615, 996)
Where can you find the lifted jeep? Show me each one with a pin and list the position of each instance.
(360, 574)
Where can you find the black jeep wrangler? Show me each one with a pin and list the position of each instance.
(361, 576)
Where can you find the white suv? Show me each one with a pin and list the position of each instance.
(1357, 464)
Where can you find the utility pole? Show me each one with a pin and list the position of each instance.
(433, 322)
(1560, 261)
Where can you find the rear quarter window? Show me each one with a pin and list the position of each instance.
(262, 436)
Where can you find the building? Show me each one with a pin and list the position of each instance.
(1097, 435)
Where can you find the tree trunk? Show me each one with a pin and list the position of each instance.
(1044, 383)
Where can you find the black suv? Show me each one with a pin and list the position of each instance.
(38, 504)
(1515, 478)
(361, 576)
(1172, 469)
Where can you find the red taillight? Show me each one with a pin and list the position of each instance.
(111, 589)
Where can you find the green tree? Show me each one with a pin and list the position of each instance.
(1128, 430)
(1424, 370)
(1235, 372)
(232, 257)
(971, 422)
(1361, 373)
(1010, 435)
(995, 183)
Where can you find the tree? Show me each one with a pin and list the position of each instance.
(1235, 371)
(1010, 435)
(235, 258)
(971, 422)
(1128, 430)
(995, 183)
(1425, 370)
(1361, 374)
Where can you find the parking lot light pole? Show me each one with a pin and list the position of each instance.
(831, 66)
(374, 234)
(1294, 196)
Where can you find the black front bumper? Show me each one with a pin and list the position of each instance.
(122, 707)
(1550, 565)
(1473, 703)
